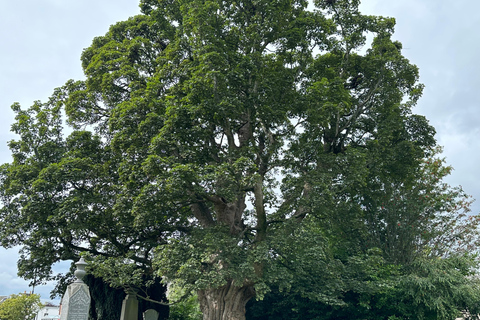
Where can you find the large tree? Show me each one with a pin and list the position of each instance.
(208, 141)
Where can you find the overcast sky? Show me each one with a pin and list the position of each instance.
(41, 43)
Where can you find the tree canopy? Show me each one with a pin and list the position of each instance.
(231, 147)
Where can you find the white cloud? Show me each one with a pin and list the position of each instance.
(9, 281)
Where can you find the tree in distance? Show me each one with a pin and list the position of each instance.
(20, 307)
(225, 146)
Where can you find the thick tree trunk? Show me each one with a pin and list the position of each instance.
(225, 303)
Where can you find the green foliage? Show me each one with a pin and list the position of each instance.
(184, 306)
(421, 217)
(436, 289)
(418, 261)
(20, 307)
(439, 288)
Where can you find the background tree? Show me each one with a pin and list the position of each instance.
(20, 307)
(411, 256)
(212, 144)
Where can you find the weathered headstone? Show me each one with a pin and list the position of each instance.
(129, 307)
(76, 301)
(150, 314)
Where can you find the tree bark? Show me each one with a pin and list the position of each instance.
(225, 303)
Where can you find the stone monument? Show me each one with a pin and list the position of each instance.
(150, 314)
(76, 300)
(130, 306)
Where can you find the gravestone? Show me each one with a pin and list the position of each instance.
(150, 314)
(130, 307)
(76, 300)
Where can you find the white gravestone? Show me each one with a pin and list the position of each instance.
(76, 301)
(150, 314)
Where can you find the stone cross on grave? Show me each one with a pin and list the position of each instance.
(76, 300)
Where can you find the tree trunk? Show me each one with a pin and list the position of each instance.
(225, 303)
